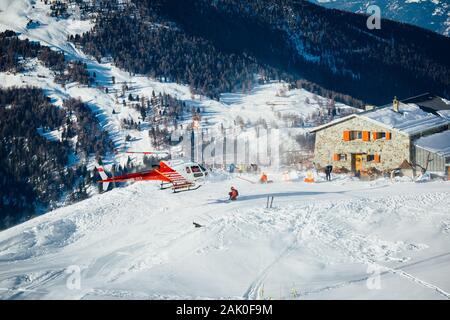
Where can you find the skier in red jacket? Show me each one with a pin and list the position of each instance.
(233, 193)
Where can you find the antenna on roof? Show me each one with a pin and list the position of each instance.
(395, 104)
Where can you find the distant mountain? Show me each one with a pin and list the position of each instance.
(430, 14)
(332, 48)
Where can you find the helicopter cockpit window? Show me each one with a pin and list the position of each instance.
(196, 171)
(188, 170)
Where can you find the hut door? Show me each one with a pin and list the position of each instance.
(357, 162)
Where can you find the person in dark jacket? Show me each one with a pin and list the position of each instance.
(328, 170)
(233, 193)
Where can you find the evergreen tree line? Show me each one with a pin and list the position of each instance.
(76, 71)
(139, 44)
(14, 52)
(218, 46)
(331, 48)
(91, 139)
(141, 40)
(34, 171)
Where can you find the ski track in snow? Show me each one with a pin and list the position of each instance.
(400, 272)
(132, 245)
(255, 290)
(318, 225)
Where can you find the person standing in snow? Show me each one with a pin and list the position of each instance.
(233, 193)
(328, 170)
(263, 178)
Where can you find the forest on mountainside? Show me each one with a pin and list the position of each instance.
(332, 48)
(35, 169)
(15, 53)
(140, 38)
(219, 46)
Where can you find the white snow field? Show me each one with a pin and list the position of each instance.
(319, 241)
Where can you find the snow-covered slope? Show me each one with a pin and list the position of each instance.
(323, 240)
(263, 102)
(429, 14)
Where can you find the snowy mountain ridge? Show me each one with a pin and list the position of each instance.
(429, 14)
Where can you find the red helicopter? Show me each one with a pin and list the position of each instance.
(180, 175)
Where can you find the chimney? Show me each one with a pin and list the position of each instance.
(396, 104)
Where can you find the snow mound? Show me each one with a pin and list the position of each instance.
(38, 240)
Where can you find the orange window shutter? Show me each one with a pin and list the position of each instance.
(346, 135)
(366, 135)
(388, 136)
(377, 158)
(375, 135)
(336, 157)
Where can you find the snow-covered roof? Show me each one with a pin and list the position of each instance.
(410, 118)
(332, 123)
(437, 143)
(430, 102)
(444, 114)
